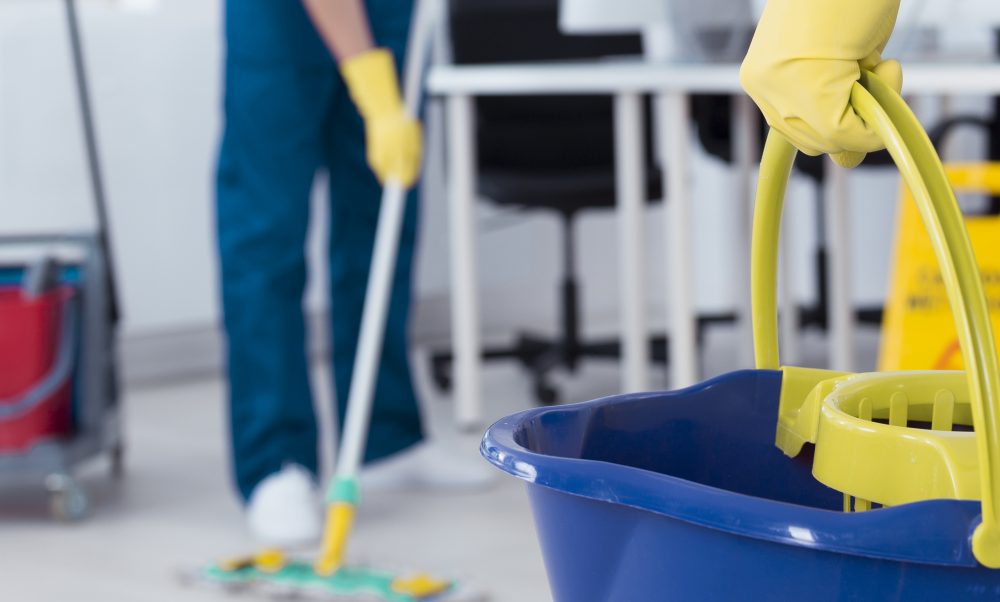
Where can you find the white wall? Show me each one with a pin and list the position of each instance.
(156, 80)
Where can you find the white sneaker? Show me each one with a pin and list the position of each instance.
(428, 465)
(284, 509)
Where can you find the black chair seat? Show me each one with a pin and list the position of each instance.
(560, 190)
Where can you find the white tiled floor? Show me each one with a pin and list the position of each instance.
(175, 509)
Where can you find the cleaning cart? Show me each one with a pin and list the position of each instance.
(58, 315)
(784, 483)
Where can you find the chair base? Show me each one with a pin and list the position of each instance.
(541, 356)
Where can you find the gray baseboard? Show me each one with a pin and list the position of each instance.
(196, 351)
(163, 356)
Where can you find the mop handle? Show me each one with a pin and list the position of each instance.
(379, 288)
(342, 494)
(887, 114)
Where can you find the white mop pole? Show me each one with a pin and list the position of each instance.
(342, 496)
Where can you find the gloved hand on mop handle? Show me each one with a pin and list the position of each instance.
(802, 63)
(392, 137)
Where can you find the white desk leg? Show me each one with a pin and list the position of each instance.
(746, 152)
(788, 325)
(837, 212)
(674, 107)
(630, 190)
(467, 389)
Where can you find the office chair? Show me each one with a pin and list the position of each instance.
(545, 153)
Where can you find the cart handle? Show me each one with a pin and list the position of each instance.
(887, 114)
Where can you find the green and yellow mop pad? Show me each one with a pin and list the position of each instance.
(270, 573)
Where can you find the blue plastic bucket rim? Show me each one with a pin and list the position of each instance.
(936, 531)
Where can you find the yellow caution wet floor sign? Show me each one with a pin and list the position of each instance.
(918, 331)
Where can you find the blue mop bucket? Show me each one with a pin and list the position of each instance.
(683, 495)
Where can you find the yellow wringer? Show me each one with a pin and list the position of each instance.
(890, 438)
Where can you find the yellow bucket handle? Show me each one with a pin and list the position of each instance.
(887, 114)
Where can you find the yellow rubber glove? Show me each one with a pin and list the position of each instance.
(803, 60)
(392, 138)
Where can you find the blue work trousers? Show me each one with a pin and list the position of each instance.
(288, 115)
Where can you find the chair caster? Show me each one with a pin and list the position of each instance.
(441, 373)
(546, 394)
(117, 461)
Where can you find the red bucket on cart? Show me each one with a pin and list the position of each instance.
(36, 367)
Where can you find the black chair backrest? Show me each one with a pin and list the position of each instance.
(535, 132)
(508, 31)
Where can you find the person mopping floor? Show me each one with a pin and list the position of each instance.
(289, 112)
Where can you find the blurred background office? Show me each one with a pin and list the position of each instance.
(553, 275)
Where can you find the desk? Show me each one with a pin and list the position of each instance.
(671, 84)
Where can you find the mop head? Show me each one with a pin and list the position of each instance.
(297, 579)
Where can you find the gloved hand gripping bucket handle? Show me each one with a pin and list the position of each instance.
(888, 115)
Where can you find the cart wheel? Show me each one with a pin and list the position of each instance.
(118, 461)
(67, 501)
